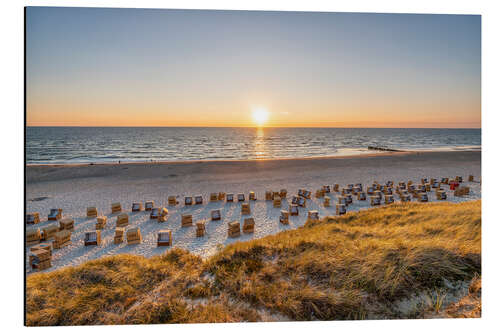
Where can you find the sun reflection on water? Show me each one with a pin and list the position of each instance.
(260, 146)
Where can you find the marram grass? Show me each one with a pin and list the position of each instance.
(357, 266)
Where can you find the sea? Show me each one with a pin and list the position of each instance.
(76, 145)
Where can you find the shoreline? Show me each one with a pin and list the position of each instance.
(312, 158)
(371, 154)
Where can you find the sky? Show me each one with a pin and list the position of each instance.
(157, 67)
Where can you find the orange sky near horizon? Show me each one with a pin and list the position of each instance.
(354, 115)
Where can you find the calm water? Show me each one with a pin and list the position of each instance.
(112, 144)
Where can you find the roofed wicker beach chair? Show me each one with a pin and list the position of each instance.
(284, 217)
(186, 220)
(134, 236)
(198, 200)
(269, 195)
(294, 210)
(188, 201)
(91, 212)
(101, 222)
(326, 202)
(248, 225)
(163, 214)
(348, 198)
(359, 185)
(471, 178)
(67, 224)
(326, 188)
(350, 186)
(149, 205)
(444, 180)
(342, 200)
(164, 238)
(312, 216)
(241, 197)
(55, 214)
(92, 238)
(422, 197)
(33, 218)
(336, 187)
(378, 194)
(388, 191)
(459, 179)
(215, 215)
(277, 202)
(122, 220)
(61, 238)
(200, 228)
(136, 206)
(441, 195)
(361, 196)
(435, 184)
(245, 209)
(319, 193)
(33, 236)
(252, 196)
(40, 260)
(305, 193)
(356, 190)
(222, 196)
(230, 197)
(283, 193)
(461, 191)
(424, 180)
(116, 207)
(42, 246)
(214, 197)
(119, 235)
(405, 197)
(340, 209)
(233, 229)
(48, 232)
(172, 200)
(388, 199)
(295, 200)
(155, 212)
(370, 190)
(276, 194)
(302, 202)
(402, 185)
(375, 200)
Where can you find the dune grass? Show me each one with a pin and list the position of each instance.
(356, 266)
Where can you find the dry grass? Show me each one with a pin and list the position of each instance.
(350, 267)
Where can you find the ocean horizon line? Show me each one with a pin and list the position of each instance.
(257, 127)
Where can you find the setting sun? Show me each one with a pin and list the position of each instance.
(260, 116)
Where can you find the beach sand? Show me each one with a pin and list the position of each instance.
(75, 187)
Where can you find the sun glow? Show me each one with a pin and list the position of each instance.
(260, 116)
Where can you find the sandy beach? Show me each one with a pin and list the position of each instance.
(75, 187)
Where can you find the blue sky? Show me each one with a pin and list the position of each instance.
(94, 66)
